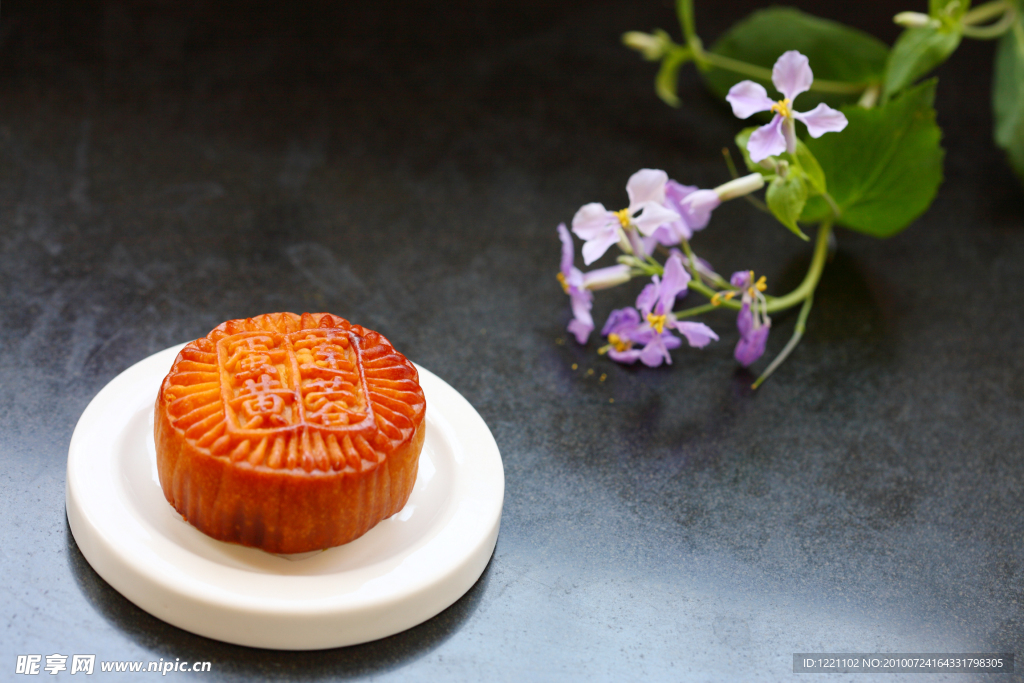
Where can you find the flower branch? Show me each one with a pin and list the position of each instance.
(872, 166)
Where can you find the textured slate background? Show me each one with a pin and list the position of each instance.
(166, 166)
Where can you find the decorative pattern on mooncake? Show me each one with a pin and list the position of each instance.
(289, 433)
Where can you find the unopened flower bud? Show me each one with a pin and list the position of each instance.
(652, 47)
(915, 20)
(740, 187)
(603, 278)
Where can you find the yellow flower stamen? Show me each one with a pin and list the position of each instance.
(716, 300)
(563, 281)
(624, 218)
(760, 285)
(620, 343)
(657, 322)
(782, 107)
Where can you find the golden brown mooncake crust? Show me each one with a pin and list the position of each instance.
(289, 433)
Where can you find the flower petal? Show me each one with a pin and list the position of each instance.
(792, 74)
(599, 227)
(567, 249)
(652, 217)
(655, 353)
(673, 233)
(745, 320)
(580, 329)
(822, 119)
(629, 356)
(592, 220)
(621, 321)
(595, 248)
(741, 279)
(702, 264)
(648, 297)
(675, 281)
(646, 185)
(676, 192)
(747, 98)
(764, 142)
(751, 347)
(753, 339)
(698, 334)
(667, 235)
(697, 207)
(581, 301)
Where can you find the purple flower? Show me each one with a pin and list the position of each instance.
(601, 228)
(657, 298)
(702, 264)
(623, 330)
(753, 327)
(742, 279)
(580, 299)
(578, 286)
(791, 75)
(694, 208)
(753, 338)
(651, 325)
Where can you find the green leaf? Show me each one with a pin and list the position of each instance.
(836, 52)
(917, 51)
(810, 167)
(884, 170)
(802, 163)
(1008, 96)
(786, 197)
(816, 210)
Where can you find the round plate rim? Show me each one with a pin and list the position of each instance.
(181, 594)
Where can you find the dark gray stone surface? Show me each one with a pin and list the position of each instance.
(167, 166)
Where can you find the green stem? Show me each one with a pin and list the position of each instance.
(761, 73)
(692, 261)
(684, 8)
(696, 310)
(995, 30)
(728, 162)
(798, 332)
(777, 303)
(870, 97)
(709, 293)
(983, 13)
(810, 282)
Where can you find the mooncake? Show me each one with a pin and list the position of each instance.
(289, 433)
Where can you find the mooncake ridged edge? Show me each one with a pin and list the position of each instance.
(280, 510)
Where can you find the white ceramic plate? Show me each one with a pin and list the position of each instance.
(401, 573)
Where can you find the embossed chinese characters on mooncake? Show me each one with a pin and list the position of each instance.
(289, 433)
